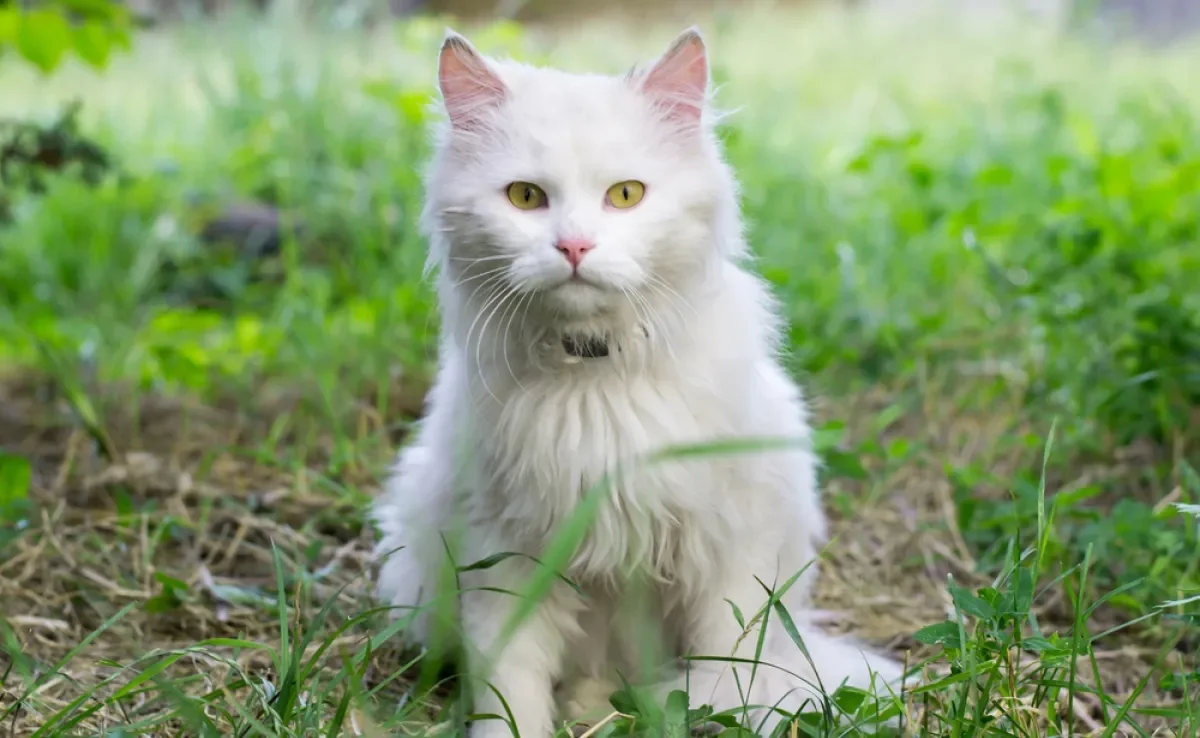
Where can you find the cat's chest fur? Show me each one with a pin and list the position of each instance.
(554, 440)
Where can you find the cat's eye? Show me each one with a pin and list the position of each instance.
(625, 195)
(526, 195)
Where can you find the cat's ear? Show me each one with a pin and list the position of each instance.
(468, 84)
(679, 79)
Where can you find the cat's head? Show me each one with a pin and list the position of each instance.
(581, 192)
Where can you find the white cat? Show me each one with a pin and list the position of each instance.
(588, 241)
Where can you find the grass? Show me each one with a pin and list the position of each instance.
(986, 241)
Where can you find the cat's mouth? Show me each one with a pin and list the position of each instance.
(578, 285)
(579, 279)
(580, 298)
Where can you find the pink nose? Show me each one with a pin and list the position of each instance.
(574, 249)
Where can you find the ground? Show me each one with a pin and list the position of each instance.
(984, 240)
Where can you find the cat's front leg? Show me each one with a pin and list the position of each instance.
(526, 667)
(725, 679)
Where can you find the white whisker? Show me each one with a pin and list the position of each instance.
(671, 293)
(661, 327)
(637, 303)
(494, 280)
(505, 296)
(489, 272)
(480, 259)
(488, 308)
(516, 305)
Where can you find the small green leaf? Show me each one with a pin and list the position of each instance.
(737, 614)
(169, 581)
(699, 715)
(828, 436)
(171, 596)
(622, 701)
(8, 26)
(43, 37)
(843, 464)
(898, 449)
(971, 604)
(789, 626)
(15, 477)
(1039, 644)
(166, 601)
(676, 714)
(124, 502)
(944, 634)
(93, 43)
(849, 699)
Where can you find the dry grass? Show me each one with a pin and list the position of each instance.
(210, 517)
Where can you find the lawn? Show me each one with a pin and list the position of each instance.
(986, 238)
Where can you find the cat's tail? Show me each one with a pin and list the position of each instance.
(843, 660)
(837, 661)
(790, 680)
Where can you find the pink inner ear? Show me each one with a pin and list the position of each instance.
(468, 85)
(679, 80)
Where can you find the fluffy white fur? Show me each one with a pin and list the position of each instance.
(517, 429)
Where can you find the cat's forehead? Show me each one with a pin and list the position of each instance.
(593, 118)
(550, 95)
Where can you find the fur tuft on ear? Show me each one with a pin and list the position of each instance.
(468, 84)
(679, 79)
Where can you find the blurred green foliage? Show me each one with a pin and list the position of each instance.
(48, 32)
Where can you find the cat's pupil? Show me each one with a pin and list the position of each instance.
(528, 194)
(625, 192)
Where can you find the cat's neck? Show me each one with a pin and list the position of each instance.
(511, 339)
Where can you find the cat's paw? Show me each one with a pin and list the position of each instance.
(721, 690)
(586, 699)
(490, 729)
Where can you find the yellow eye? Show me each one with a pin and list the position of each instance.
(624, 195)
(526, 196)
